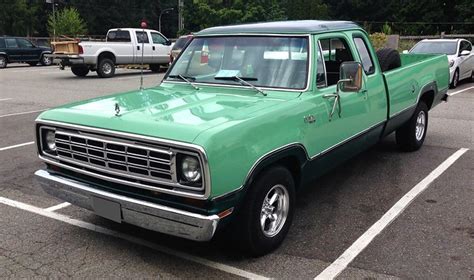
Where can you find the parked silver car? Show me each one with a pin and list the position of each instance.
(460, 56)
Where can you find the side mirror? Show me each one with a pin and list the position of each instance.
(167, 43)
(350, 76)
(464, 53)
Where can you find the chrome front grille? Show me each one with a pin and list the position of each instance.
(133, 160)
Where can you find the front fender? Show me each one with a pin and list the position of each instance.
(238, 150)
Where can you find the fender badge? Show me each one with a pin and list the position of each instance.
(117, 109)
(309, 119)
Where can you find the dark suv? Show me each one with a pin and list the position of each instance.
(22, 50)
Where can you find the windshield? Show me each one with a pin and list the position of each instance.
(181, 42)
(274, 62)
(448, 48)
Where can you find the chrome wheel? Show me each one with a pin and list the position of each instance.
(46, 60)
(3, 61)
(274, 210)
(106, 68)
(420, 125)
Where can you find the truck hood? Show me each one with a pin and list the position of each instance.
(173, 112)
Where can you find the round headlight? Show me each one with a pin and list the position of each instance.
(191, 169)
(51, 140)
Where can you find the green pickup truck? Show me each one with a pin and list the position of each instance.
(245, 117)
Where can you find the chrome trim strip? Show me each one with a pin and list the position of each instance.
(187, 147)
(402, 111)
(138, 212)
(346, 140)
(310, 62)
(227, 193)
(308, 158)
(320, 50)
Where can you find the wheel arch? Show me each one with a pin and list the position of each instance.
(293, 157)
(106, 54)
(427, 94)
(5, 55)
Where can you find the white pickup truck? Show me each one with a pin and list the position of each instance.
(122, 46)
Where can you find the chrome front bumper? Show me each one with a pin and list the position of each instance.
(133, 211)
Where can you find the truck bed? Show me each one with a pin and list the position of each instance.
(417, 71)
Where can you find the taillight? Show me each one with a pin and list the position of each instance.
(81, 50)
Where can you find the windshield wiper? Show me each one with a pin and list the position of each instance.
(243, 81)
(186, 79)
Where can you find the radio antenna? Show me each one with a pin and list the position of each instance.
(143, 25)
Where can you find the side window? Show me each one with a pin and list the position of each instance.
(118, 36)
(11, 43)
(321, 74)
(465, 46)
(335, 52)
(366, 59)
(24, 43)
(2, 43)
(142, 37)
(157, 38)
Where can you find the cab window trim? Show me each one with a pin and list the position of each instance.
(360, 36)
(333, 36)
(320, 53)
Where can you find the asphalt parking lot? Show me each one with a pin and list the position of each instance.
(432, 238)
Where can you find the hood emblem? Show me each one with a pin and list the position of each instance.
(117, 109)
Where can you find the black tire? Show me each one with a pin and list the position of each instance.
(411, 135)
(472, 76)
(252, 238)
(106, 68)
(3, 61)
(33, 63)
(46, 61)
(454, 83)
(389, 59)
(80, 71)
(155, 68)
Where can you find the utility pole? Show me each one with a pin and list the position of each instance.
(54, 18)
(180, 15)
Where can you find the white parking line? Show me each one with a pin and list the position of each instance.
(16, 146)
(57, 207)
(129, 238)
(22, 113)
(459, 91)
(335, 268)
(5, 99)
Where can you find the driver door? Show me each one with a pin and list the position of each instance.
(143, 41)
(28, 51)
(161, 48)
(351, 111)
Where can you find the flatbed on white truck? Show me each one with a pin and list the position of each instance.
(122, 46)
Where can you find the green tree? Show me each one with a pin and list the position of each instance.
(18, 17)
(66, 22)
(199, 14)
